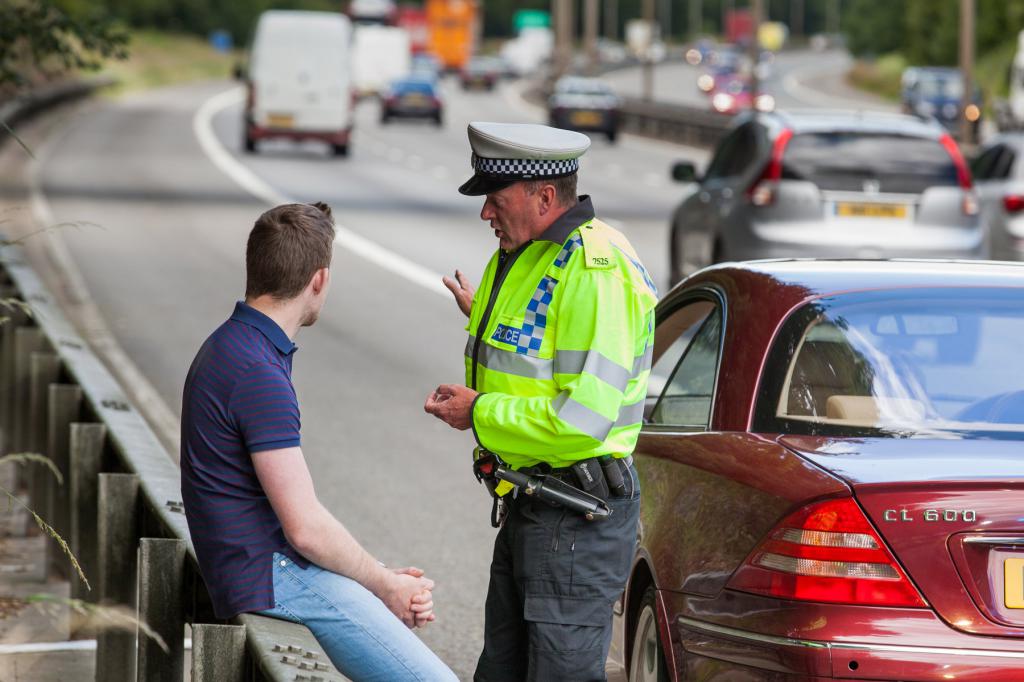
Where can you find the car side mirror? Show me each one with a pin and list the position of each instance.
(238, 72)
(684, 171)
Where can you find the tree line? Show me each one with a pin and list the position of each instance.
(927, 31)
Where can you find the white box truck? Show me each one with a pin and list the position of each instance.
(380, 55)
(298, 79)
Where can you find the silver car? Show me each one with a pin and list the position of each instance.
(827, 184)
(999, 177)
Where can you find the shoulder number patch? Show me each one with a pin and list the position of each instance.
(599, 261)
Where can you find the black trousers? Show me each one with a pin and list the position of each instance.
(554, 579)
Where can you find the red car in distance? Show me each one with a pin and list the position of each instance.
(736, 94)
(832, 470)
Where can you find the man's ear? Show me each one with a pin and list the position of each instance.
(320, 280)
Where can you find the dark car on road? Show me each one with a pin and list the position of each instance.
(832, 469)
(481, 72)
(412, 98)
(939, 92)
(586, 105)
(832, 184)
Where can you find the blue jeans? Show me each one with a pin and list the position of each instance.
(363, 639)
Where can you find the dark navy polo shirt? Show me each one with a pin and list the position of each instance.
(238, 400)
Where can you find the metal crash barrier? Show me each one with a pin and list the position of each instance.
(120, 509)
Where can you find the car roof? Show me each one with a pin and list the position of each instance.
(854, 120)
(807, 278)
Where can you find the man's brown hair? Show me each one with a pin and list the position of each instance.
(287, 245)
(565, 188)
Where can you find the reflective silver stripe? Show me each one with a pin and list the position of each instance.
(643, 362)
(594, 363)
(846, 646)
(582, 417)
(509, 362)
(630, 414)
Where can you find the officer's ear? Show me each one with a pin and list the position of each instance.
(547, 198)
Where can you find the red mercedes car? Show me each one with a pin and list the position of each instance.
(833, 476)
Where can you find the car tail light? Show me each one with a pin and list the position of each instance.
(969, 205)
(250, 96)
(762, 191)
(827, 552)
(1013, 203)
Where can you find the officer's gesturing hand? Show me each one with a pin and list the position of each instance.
(461, 289)
(452, 404)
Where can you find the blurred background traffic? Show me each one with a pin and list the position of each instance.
(722, 129)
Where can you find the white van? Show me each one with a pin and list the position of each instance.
(299, 82)
(380, 56)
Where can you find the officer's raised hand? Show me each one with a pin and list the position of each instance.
(461, 289)
(452, 404)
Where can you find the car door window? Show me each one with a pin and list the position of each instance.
(735, 154)
(687, 366)
(1004, 166)
(982, 167)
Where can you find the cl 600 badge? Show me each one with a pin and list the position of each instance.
(948, 515)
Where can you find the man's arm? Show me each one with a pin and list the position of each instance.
(317, 535)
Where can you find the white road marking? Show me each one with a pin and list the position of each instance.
(88, 318)
(202, 125)
(53, 647)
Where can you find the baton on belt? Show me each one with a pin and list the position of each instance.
(553, 490)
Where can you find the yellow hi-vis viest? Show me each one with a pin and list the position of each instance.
(560, 341)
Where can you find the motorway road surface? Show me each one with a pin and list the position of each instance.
(165, 265)
(798, 79)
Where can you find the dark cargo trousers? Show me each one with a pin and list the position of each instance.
(554, 579)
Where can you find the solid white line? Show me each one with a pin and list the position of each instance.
(202, 124)
(53, 647)
(48, 647)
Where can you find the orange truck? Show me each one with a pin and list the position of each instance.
(452, 26)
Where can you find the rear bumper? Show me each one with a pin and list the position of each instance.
(339, 137)
(813, 240)
(714, 652)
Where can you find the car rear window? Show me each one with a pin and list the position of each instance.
(420, 87)
(848, 161)
(912, 362)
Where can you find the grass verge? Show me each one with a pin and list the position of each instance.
(157, 59)
(881, 76)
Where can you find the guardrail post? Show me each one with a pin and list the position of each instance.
(117, 524)
(16, 318)
(27, 340)
(161, 583)
(86, 450)
(218, 653)
(44, 368)
(64, 405)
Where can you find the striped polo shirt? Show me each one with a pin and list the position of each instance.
(238, 400)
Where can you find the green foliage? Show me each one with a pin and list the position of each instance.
(873, 27)
(38, 39)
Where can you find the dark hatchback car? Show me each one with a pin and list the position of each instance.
(586, 105)
(832, 469)
(412, 98)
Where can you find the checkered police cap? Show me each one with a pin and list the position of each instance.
(505, 153)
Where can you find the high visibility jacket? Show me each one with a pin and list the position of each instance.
(560, 341)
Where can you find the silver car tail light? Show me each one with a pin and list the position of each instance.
(762, 191)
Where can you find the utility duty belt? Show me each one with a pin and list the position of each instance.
(583, 488)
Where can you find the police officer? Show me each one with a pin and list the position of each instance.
(559, 352)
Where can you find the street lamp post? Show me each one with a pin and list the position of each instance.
(966, 69)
